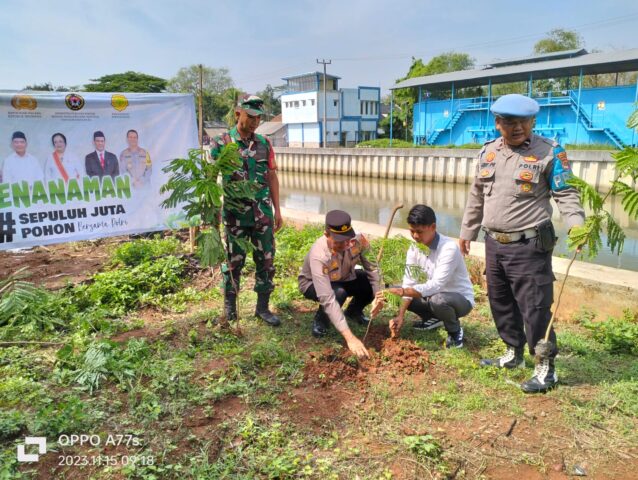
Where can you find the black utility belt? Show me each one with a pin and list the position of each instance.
(510, 237)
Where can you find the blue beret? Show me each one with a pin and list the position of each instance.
(515, 105)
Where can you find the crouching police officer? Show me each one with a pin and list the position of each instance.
(516, 176)
(328, 276)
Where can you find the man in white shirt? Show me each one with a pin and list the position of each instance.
(20, 165)
(445, 294)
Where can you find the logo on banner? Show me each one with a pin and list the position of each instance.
(24, 102)
(74, 102)
(119, 102)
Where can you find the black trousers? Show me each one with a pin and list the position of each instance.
(446, 306)
(358, 288)
(520, 287)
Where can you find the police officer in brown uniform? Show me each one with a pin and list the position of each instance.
(516, 176)
(136, 161)
(328, 276)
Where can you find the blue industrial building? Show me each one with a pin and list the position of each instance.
(571, 114)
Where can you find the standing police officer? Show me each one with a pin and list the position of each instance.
(256, 220)
(516, 176)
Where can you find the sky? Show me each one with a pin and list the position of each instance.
(370, 42)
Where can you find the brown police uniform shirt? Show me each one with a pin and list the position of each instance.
(137, 163)
(322, 266)
(513, 186)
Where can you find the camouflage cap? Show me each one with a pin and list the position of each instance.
(253, 105)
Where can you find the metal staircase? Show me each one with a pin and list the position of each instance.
(589, 125)
(449, 126)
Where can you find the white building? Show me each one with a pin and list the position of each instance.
(352, 114)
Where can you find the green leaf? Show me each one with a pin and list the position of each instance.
(627, 163)
(587, 235)
(210, 249)
(632, 121)
(588, 194)
(615, 234)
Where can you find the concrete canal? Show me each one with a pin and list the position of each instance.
(372, 200)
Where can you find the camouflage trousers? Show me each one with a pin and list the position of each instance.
(263, 240)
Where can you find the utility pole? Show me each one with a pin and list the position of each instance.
(325, 101)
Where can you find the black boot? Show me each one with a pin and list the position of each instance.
(544, 377)
(320, 324)
(262, 311)
(230, 305)
(512, 358)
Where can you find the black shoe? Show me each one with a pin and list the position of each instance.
(454, 340)
(513, 358)
(360, 318)
(544, 378)
(429, 324)
(320, 324)
(230, 306)
(262, 311)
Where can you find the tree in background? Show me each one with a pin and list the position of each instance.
(405, 98)
(272, 106)
(558, 40)
(49, 87)
(127, 82)
(230, 98)
(186, 80)
(216, 85)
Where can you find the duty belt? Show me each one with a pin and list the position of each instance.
(509, 237)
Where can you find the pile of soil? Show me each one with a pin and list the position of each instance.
(393, 355)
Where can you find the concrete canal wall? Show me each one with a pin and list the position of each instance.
(435, 164)
(596, 288)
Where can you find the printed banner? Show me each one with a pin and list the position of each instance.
(78, 166)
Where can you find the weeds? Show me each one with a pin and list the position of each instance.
(144, 250)
(618, 335)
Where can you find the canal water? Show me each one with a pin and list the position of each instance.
(372, 200)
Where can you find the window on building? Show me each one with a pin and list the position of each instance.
(335, 102)
(303, 103)
(296, 103)
(312, 102)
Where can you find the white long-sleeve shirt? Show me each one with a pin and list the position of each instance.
(444, 267)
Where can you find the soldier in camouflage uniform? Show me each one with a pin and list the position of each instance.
(256, 220)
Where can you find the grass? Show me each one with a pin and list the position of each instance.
(208, 403)
(398, 143)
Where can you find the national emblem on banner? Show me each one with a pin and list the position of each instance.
(119, 102)
(24, 102)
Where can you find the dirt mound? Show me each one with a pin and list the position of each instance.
(386, 354)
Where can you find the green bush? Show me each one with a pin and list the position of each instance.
(292, 247)
(68, 416)
(103, 360)
(618, 335)
(398, 143)
(12, 422)
(140, 251)
(126, 288)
